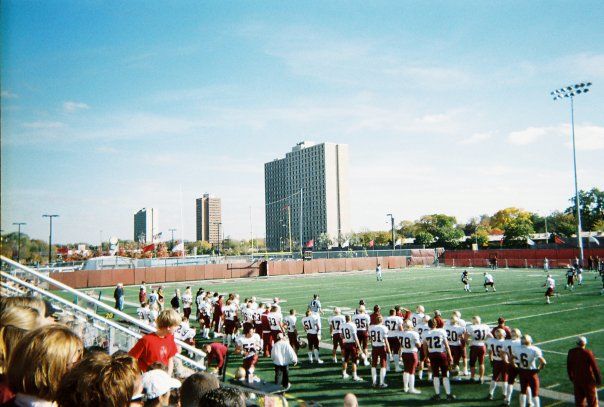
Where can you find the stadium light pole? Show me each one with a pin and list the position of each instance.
(50, 237)
(19, 224)
(392, 226)
(570, 92)
(172, 240)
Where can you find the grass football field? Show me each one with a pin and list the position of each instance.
(519, 298)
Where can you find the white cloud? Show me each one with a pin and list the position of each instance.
(6, 94)
(71, 107)
(39, 125)
(588, 137)
(477, 138)
(528, 135)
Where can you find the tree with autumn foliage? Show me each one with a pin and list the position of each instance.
(516, 223)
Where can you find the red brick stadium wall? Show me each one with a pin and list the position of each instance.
(517, 257)
(108, 278)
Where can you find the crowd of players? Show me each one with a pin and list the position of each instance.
(412, 342)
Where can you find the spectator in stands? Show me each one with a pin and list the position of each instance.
(158, 346)
(175, 302)
(39, 362)
(216, 351)
(583, 371)
(223, 397)
(283, 355)
(350, 400)
(157, 385)
(102, 380)
(15, 322)
(45, 308)
(195, 386)
(118, 295)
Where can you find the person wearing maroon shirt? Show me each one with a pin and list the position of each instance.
(217, 317)
(583, 371)
(216, 351)
(158, 346)
(501, 325)
(267, 337)
(373, 318)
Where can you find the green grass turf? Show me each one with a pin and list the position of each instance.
(519, 298)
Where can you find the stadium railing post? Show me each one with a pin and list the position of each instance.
(471, 267)
(525, 263)
(506, 264)
(453, 266)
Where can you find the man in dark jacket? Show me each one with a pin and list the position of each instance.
(583, 371)
(118, 295)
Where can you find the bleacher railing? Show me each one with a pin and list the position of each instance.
(509, 263)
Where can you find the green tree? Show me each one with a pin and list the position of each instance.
(562, 223)
(406, 229)
(592, 207)
(424, 238)
(443, 229)
(324, 241)
(516, 223)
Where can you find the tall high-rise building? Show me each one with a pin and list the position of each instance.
(208, 218)
(146, 225)
(313, 177)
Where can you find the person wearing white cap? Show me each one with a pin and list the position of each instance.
(157, 385)
(584, 373)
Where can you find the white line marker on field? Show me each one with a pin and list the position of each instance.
(571, 336)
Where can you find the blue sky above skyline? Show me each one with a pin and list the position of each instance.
(109, 107)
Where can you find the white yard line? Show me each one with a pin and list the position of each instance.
(570, 337)
(547, 313)
(562, 353)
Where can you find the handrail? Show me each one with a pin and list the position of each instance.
(98, 303)
(89, 313)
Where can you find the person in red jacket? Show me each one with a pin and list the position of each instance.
(583, 371)
(216, 351)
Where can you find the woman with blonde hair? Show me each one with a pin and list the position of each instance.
(102, 380)
(39, 362)
(14, 323)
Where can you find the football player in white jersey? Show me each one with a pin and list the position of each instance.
(422, 327)
(489, 281)
(312, 325)
(530, 362)
(379, 349)
(361, 321)
(418, 315)
(247, 315)
(249, 346)
(315, 305)
(351, 348)
(512, 370)
(477, 334)
(464, 352)
(290, 326)
(455, 333)
(496, 348)
(436, 346)
(410, 344)
(229, 315)
(335, 330)
(275, 321)
(394, 324)
(204, 310)
(550, 285)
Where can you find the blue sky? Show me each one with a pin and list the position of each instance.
(108, 107)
